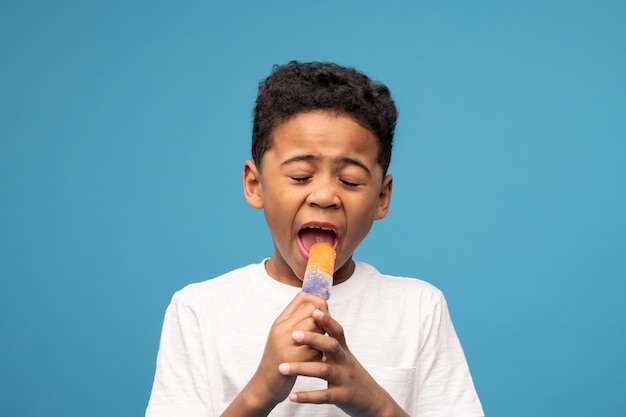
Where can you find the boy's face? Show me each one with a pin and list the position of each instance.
(320, 180)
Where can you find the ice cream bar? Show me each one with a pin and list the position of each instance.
(318, 277)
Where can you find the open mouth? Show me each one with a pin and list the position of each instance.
(308, 236)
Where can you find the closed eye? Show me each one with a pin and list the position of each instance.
(349, 184)
(300, 179)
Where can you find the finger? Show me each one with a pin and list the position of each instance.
(325, 344)
(312, 397)
(301, 309)
(330, 326)
(304, 299)
(298, 302)
(320, 370)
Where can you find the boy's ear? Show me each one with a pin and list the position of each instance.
(384, 198)
(252, 189)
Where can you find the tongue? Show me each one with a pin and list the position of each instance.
(312, 236)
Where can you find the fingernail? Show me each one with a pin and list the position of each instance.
(319, 314)
(293, 397)
(298, 336)
(283, 368)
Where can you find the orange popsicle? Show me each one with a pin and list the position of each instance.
(318, 277)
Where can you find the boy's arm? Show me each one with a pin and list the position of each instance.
(350, 386)
(268, 386)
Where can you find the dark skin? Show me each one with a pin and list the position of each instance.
(306, 340)
(322, 168)
(350, 386)
(268, 386)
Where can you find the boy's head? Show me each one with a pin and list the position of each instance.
(297, 88)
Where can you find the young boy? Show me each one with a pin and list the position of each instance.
(250, 342)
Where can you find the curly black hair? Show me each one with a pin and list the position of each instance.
(297, 87)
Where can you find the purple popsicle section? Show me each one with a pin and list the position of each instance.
(318, 283)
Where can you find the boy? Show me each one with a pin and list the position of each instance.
(250, 342)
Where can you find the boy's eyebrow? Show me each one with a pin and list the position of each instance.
(343, 159)
(352, 161)
(299, 158)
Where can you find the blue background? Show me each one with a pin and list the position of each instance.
(124, 126)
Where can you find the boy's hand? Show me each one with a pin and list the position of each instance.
(268, 386)
(350, 386)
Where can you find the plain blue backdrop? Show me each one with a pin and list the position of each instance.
(124, 126)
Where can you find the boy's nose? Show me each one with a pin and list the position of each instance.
(324, 195)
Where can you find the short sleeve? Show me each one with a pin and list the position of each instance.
(180, 385)
(444, 376)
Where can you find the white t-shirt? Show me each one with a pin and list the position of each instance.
(399, 329)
